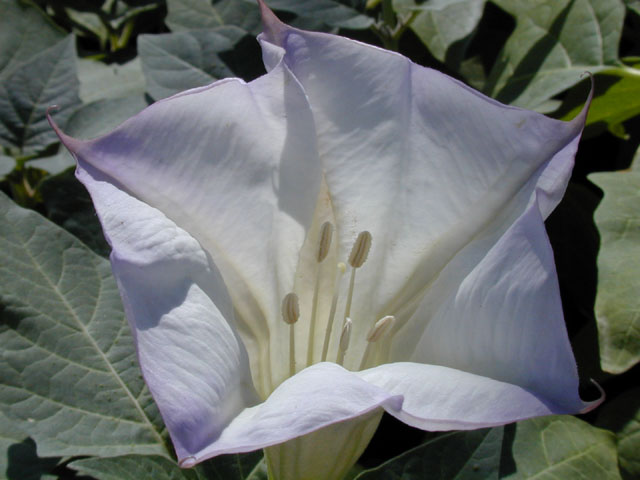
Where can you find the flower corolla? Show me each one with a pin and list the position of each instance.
(347, 234)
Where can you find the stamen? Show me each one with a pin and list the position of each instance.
(345, 337)
(290, 315)
(342, 268)
(360, 249)
(378, 331)
(358, 256)
(326, 234)
(380, 328)
(324, 243)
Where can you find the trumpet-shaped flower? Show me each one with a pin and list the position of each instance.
(347, 234)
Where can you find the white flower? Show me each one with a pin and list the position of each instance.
(221, 201)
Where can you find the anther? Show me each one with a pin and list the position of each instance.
(290, 308)
(379, 330)
(290, 315)
(326, 234)
(360, 249)
(358, 256)
(342, 268)
(345, 338)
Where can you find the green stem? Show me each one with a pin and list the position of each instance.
(388, 14)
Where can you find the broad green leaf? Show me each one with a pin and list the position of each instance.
(633, 6)
(18, 457)
(48, 78)
(6, 164)
(444, 26)
(90, 121)
(461, 455)
(135, 467)
(88, 24)
(561, 447)
(202, 14)
(618, 301)
(553, 44)
(99, 81)
(331, 12)
(174, 62)
(622, 415)
(24, 32)
(620, 102)
(69, 376)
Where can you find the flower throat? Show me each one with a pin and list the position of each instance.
(291, 309)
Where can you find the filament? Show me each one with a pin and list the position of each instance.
(345, 338)
(290, 315)
(332, 313)
(324, 243)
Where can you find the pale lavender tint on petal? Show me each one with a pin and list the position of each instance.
(441, 398)
(181, 316)
(216, 159)
(235, 165)
(503, 319)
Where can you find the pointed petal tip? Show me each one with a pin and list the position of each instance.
(54, 125)
(272, 27)
(598, 401)
(70, 143)
(187, 462)
(581, 118)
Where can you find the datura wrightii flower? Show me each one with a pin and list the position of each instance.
(350, 233)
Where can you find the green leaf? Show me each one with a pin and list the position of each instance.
(69, 376)
(99, 81)
(18, 457)
(88, 24)
(461, 455)
(6, 164)
(633, 6)
(202, 14)
(553, 44)
(48, 78)
(331, 12)
(620, 101)
(618, 302)
(444, 26)
(561, 447)
(174, 62)
(24, 32)
(622, 415)
(135, 467)
(550, 448)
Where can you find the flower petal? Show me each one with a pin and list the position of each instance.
(236, 166)
(181, 316)
(301, 405)
(415, 157)
(502, 318)
(439, 398)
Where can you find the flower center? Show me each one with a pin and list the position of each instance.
(291, 310)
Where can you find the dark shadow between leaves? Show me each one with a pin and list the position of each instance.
(23, 462)
(507, 463)
(575, 241)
